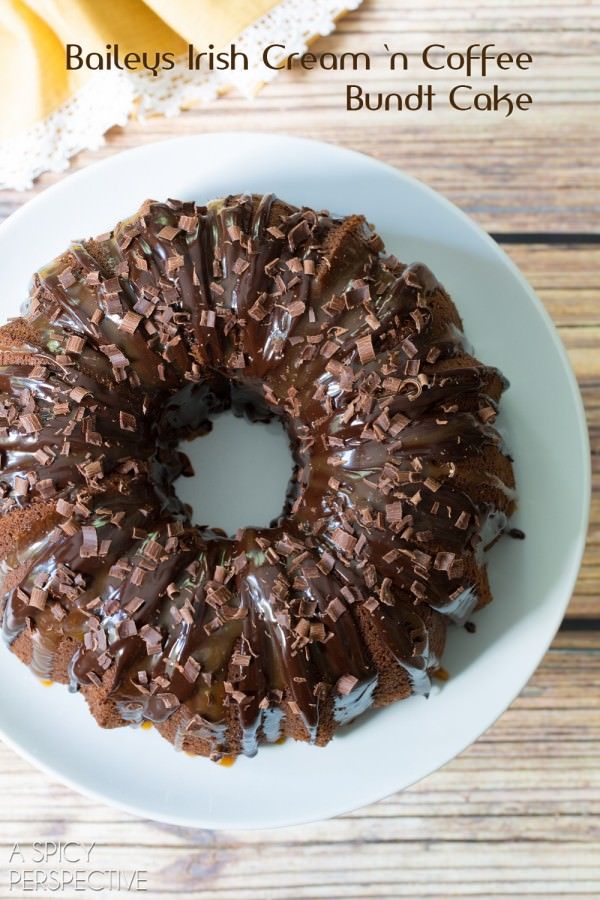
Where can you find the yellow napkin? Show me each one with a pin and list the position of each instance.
(33, 34)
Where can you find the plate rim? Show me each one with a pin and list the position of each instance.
(582, 441)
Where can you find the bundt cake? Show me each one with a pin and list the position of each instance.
(131, 342)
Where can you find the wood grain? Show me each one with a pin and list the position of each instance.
(518, 814)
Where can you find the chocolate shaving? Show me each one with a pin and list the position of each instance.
(191, 670)
(364, 346)
(38, 598)
(89, 545)
(443, 561)
(74, 344)
(30, 423)
(346, 684)
(127, 421)
(168, 232)
(130, 322)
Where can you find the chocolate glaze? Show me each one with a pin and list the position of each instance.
(133, 341)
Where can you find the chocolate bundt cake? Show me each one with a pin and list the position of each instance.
(133, 341)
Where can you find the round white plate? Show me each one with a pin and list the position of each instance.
(532, 580)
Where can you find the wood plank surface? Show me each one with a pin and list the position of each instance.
(518, 814)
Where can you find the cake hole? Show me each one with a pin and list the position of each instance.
(241, 473)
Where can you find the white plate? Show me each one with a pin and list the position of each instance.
(532, 580)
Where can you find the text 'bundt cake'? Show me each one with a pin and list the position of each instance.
(131, 342)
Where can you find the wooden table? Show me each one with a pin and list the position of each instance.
(518, 813)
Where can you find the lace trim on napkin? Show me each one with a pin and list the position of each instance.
(109, 98)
